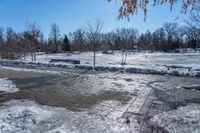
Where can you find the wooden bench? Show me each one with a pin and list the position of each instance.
(177, 67)
(66, 61)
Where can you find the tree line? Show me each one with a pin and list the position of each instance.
(170, 36)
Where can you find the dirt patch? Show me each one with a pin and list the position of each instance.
(73, 102)
(59, 91)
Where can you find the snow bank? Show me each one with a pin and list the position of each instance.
(7, 86)
(180, 72)
(183, 120)
(30, 117)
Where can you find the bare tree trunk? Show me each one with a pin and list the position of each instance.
(32, 56)
(124, 57)
(94, 58)
(56, 46)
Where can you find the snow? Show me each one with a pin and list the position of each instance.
(183, 120)
(7, 86)
(178, 64)
(140, 60)
(30, 117)
(134, 59)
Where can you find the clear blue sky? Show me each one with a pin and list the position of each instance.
(71, 14)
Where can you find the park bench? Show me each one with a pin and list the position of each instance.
(177, 67)
(66, 61)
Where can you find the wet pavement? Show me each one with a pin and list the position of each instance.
(130, 99)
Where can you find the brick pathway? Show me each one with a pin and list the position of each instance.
(152, 99)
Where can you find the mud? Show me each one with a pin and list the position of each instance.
(54, 90)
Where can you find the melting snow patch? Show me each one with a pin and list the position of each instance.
(7, 86)
(30, 117)
(184, 120)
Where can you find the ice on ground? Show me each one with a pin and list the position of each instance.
(30, 117)
(32, 70)
(7, 86)
(191, 87)
(183, 120)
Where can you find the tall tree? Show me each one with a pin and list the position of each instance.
(1, 34)
(66, 45)
(10, 48)
(172, 35)
(94, 33)
(78, 39)
(1, 40)
(54, 35)
(145, 40)
(32, 35)
(159, 39)
(192, 29)
(128, 38)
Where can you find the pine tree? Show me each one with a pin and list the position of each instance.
(66, 46)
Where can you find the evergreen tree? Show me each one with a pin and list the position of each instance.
(66, 46)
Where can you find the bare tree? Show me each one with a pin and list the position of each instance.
(158, 39)
(1, 34)
(194, 19)
(54, 35)
(94, 33)
(32, 35)
(11, 48)
(145, 40)
(172, 35)
(1, 40)
(192, 30)
(191, 36)
(10, 36)
(127, 37)
(78, 39)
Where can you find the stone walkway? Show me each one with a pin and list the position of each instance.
(150, 100)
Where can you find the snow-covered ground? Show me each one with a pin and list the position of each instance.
(108, 114)
(7, 86)
(184, 120)
(140, 62)
(178, 64)
(30, 117)
(134, 59)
